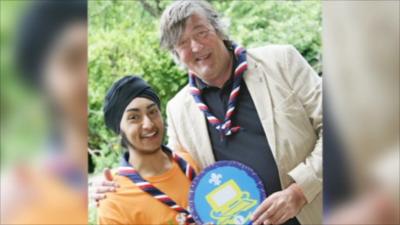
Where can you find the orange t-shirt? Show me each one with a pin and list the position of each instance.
(131, 205)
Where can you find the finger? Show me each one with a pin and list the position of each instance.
(104, 189)
(264, 218)
(105, 183)
(98, 199)
(261, 209)
(107, 174)
(273, 219)
(272, 210)
(95, 197)
(284, 217)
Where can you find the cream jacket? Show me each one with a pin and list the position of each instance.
(287, 94)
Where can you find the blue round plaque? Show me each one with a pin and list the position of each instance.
(227, 192)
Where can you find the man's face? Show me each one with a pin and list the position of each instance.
(143, 126)
(202, 50)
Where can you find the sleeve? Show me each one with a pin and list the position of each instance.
(108, 221)
(109, 214)
(173, 140)
(307, 85)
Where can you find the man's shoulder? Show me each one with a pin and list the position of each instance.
(182, 96)
(270, 53)
(271, 48)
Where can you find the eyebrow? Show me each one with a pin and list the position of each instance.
(137, 110)
(195, 28)
(199, 27)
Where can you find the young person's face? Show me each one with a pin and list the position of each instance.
(201, 50)
(142, 126)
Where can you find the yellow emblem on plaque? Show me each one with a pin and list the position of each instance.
(228, 201)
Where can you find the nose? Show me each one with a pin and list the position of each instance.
(195, 45)
(147, 123)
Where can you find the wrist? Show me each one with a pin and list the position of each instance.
(298, 191)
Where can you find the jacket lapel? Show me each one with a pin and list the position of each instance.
(257, 85)
(199, 125)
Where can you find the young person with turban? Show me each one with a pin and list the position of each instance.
(154, 181)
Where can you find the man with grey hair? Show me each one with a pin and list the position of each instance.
(261, 107)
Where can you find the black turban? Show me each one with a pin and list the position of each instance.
(120, 95)
(37, 31)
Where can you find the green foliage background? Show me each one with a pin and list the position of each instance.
(123, 39)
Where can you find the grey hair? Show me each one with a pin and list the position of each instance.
(175, 15)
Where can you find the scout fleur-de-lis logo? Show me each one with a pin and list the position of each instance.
(215, 179)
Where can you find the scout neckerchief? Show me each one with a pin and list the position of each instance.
(127, 170)
(224, 127)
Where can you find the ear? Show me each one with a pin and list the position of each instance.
(177, 61)
(121, 124)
